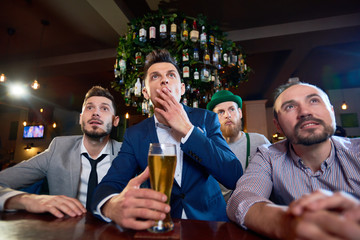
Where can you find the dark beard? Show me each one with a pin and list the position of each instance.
(96, 135)
(314, 138)
(230, 131)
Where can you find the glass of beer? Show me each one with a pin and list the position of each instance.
(162, 164)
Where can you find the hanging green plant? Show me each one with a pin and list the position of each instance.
(207, 59)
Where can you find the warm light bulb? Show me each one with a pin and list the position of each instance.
(54, 125)
(41, 110)
(127, 116)
(18, 90)
(24, 123)
(2, 77)
(35, 85)
(344, 106)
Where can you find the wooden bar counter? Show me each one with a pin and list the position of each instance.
(23, 225)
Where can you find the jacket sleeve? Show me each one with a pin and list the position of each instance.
(123, 168)
(24, 174)
(214, 154)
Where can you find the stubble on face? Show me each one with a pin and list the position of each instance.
(310, 136)
(96, 132)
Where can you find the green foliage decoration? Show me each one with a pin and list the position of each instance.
(230, 75)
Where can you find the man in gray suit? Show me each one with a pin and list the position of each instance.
(67, 163)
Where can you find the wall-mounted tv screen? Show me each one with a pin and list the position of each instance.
(33, 131)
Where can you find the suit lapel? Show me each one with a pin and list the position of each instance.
(185, 157)
(75, 167)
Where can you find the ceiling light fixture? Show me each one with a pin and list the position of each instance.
(36, 85)
(344, 106)
(10, 31)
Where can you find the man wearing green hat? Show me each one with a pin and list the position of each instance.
(228, 107)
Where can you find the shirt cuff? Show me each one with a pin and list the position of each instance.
(184, 139)
(6, 196)
(99, 206)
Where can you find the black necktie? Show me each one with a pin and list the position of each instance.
(93, 178)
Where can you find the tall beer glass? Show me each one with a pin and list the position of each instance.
(162, 164)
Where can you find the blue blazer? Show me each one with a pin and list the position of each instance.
(206, 160)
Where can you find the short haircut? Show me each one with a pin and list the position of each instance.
(159, 56)
(98, 91)
(283, 87)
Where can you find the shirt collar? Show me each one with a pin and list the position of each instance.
(106, 149)
(325, 164)
(161, 125)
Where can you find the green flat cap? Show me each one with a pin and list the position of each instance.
(223, 96)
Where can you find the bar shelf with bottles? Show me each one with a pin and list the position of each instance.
(207, 60)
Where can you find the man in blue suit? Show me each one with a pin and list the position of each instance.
(203, 157)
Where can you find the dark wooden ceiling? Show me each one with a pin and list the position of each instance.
(317, 41)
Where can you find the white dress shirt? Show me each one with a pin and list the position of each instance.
(101, 168)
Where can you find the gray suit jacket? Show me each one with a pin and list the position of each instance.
(60, 163)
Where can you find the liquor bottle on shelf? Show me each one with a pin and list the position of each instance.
(196, 75)
(116, 69)
(204, 74)
(152, 34)
(122, 63)
(184, 32)
(142, 34)
(232, 58)
(196, 56)
(185, 55)
(216, 56)
(211, 39)
(225, 58)
(162, 28)
(134, 31)
(144, 107)
(186, 72)
(203, 36)
(137, 91)
(138, 58)
(127, 97)
(173, 30)
(217, 83)
(206, 56)
(194, 34)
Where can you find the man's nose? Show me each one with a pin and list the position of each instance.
(227, 114)
(304, 112)
(164, 81)
(96, 112)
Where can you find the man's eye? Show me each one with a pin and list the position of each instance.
(105, 108)
(154, 76)
(314, 100)
(289, 107)
(172, 75)
(220, 112)
(89, 107)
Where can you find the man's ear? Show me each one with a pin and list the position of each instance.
(182, 88)
(116, 121)
(240, 113)
(277, 125)
(145, 93)
(80, 118)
